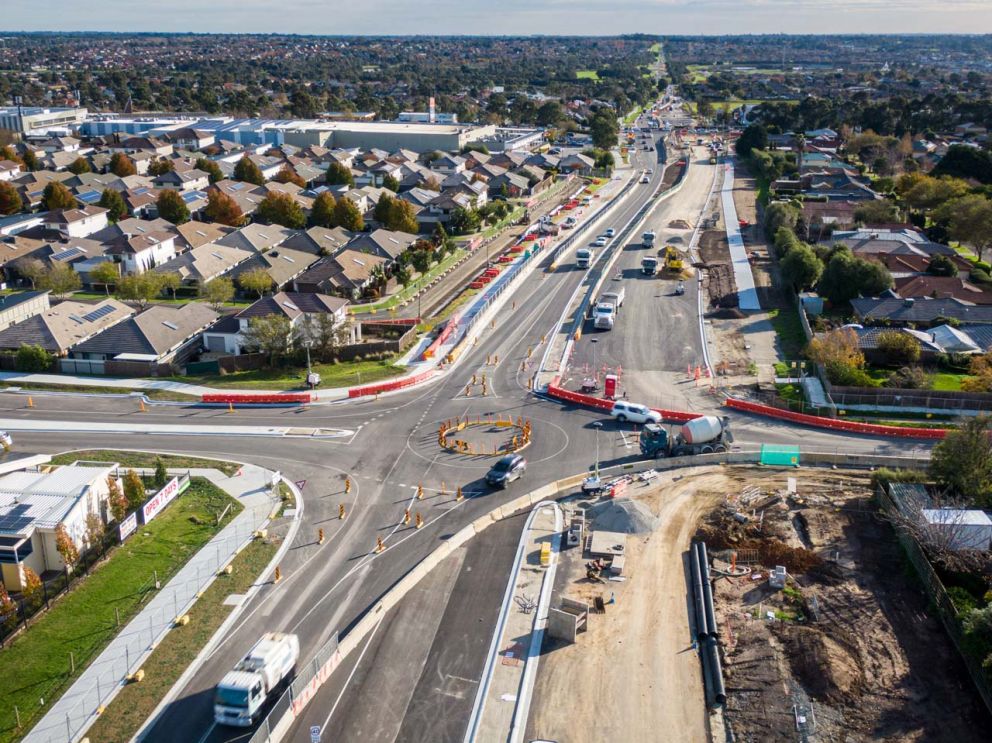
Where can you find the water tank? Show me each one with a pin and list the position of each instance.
(701, 430)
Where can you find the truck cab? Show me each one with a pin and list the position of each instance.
(241, 694)
(647, 239)
(604, 316)
(584, 257)
(649, 265)
(654, 440)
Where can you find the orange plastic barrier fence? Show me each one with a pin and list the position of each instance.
(289, 398)
(398, 384)
(601, 404)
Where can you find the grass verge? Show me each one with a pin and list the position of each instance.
(135, 702)
(345, 374)
(791, 336)
(145, 459)
(409, 291)
(82, 622)
(152, 394)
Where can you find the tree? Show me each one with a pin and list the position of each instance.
(910, 378)
(31, 269)
(141, 288)
(281, 208)
(223, 209)
(970, 221)
(65, 546)
(801, 267)
(604, 129)
(161, 475)
(171, 207)
(550, 114)
(112, 200)
(30, 160)
(134, 489)
(247, 170)
(464, 221)
(33, 589)
(322, 213)
(962, 461)
(942, 265)
(211, 168)
(95, 530)
(605, 161)
(60, 279)
(898, 348)
(840, 354)
(57, 196)
(923, 192)
(780, 214)
(106, 273)
(79, 166)
(846, 276)
(121, 165)
(400, 216)
(218, 291)
(8, 612)
(269, 334)
(965, 161)
(256, 280)
(323, 334)
(288, 175)
(382, 209)
(347, 215)
(390, 182)
(170, 281)
(160, 166)
(755, 137)
(10, 200)
(116, 500)
(338, 175)
(33, 359)
(876, 212)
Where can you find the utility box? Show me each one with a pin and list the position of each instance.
(778, 576)
(576, 528)
(610, 386)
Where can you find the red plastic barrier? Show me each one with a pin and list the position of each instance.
(288, 398)
(835, 424)
(476, 284)
(601, 404)
(397, 384)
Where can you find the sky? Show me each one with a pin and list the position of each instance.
(488, 17)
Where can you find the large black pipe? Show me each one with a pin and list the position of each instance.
(698, 593)
(711, 661)
(707, 591)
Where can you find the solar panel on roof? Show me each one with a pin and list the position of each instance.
(66, 254)
(98, 313)
(141, 190)
(16, 519)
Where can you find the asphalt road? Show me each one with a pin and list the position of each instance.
(394, 448)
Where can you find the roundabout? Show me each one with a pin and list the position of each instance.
(491, 436)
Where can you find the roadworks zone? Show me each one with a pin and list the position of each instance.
(518, 431)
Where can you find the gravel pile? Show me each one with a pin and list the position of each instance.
(622, 515)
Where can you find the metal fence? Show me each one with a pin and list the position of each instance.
(74, 712)
(937, 593)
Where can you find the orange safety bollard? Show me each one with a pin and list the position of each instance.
(380, 546)
(347, 485)
(30, 402)
(420, 492)
(406, 517)
(458, 494)
(278, 575)
(320, 536)
(141, 404)
(420, 521)
(341, 512)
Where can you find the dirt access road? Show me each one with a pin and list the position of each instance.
(633, 675)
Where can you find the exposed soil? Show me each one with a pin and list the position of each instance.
(849, 642)
(715, 256)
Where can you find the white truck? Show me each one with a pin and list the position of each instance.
(605, 313)
(584, 257)
(647, 239)
(242, 692)
(649, 265)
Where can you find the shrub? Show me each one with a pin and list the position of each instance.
(910, 378)
(980, 276)
(898, 348)
(33, 359)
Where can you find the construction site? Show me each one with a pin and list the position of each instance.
(816, 628)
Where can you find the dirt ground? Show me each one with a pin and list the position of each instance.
(633, 674)
(849, 641)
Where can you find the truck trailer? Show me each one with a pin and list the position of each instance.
(243, 691)
(704, 435)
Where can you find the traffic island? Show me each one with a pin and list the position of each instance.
(489, 436)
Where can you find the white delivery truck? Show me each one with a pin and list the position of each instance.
(584, 257)
(243, 691)
(649, 265)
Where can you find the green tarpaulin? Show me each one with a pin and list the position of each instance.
(782, 456)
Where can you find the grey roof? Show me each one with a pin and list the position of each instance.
(386, 243)
(9, 301)
(294, 304)
(154, 332)
(920, 310)
(66, 324)
(258, 237)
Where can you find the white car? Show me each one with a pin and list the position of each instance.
(630, 411)
(599, 242)
(610, 232)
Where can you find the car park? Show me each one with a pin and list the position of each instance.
(634, 413)
(506, 470)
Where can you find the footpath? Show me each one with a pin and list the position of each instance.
(503, 702)
(69, 716)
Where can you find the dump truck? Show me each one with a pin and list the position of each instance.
(604, 316)
(242, 693)
(647, 239)
(584, 257)
(649, 265)
(704, 435)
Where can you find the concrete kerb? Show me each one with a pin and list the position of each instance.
(226, 625)
(374, 614)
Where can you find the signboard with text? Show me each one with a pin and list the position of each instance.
(153, 507)
(128, 526)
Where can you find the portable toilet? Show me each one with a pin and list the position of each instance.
(610, 386)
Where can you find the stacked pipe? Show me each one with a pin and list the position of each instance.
(707, 635)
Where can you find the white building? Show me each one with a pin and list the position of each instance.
(34, 504)
(959, 529)
(74, 223)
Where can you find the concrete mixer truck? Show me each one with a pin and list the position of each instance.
(704, 435)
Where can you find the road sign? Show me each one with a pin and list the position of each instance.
(300, 484)
(315, 734)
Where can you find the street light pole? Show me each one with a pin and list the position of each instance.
(598, 425)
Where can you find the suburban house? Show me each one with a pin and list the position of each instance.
(208, 261)
(576, 163)
(320, 240)
(257, 237)
(60, 328)
(191, 139)
(139, 253)
(80, 222)
(194, 234)
(15, 308)
(162, 334)
(385, 243)
(348, 274)
(938, 287)
(901, 312)
(227, 336)
(34, 504)
(282, 264)
(9, 170)
(187, 180)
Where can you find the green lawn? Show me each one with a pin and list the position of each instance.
(82, 622)
(98, 296)
(145, 459)
(88, 389)
(179, 648)
(344, 374)
(789, 330)
(946, 382)
(587, 75)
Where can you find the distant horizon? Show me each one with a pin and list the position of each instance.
(619, 35)
(509, 17)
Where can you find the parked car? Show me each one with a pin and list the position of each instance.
(631, 411)
(506, 470)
